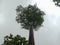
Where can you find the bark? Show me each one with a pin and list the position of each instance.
(31, 35)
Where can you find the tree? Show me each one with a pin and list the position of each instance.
(57, 2)
(30, 17)
(16, 40)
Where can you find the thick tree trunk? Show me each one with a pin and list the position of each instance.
(31, 35)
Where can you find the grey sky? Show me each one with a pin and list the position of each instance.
(49, 34)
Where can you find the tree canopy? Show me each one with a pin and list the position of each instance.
(57, 2)
(30, 14)
(15, 40)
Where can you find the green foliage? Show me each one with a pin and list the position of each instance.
(16, 40)
(57, 2)
(28, 15)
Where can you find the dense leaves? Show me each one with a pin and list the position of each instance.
(57, 2)
(29, 14)
(16, 40)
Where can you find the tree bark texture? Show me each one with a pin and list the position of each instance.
(31, 35)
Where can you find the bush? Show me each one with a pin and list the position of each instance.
(15, 40)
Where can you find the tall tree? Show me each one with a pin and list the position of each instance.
(30, 17)
(57, 2)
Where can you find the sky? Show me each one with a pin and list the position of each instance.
(49, 34)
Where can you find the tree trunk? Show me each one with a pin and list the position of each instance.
(31, 35)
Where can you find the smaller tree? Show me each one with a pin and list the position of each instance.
(57, 2)
(16, 40)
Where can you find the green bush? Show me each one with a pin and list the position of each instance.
(14, 40)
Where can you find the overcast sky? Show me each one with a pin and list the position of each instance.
(49, 34)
